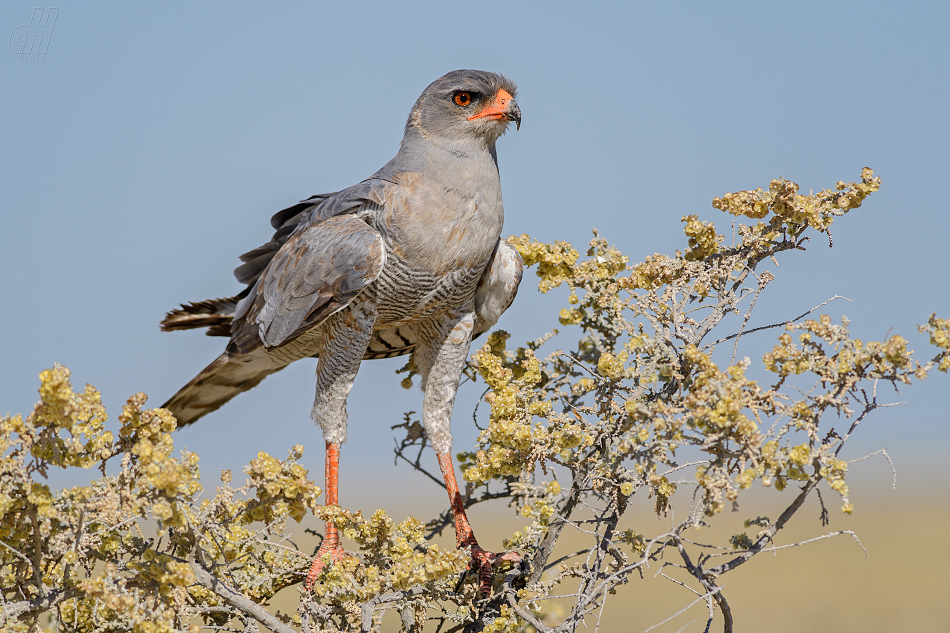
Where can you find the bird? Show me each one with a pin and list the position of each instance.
(408, 261)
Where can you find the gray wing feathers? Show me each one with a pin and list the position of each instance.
(318, 271)
(285, 222)
(313, 210)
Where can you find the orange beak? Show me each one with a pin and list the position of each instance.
(503, 106)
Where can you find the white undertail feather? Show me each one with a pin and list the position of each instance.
(497, 287)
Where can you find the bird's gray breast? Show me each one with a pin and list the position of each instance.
(439, 237)
(405, 294)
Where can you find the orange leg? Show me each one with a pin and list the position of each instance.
(464, 536)
(331, 542)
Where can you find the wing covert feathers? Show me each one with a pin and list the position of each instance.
(317, 272)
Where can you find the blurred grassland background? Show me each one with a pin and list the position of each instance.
(830, 585)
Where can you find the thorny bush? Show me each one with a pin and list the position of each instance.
(571, 438)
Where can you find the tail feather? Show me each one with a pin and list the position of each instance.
(214, 314)
(217, 383)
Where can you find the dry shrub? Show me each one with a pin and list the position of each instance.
(637, 406)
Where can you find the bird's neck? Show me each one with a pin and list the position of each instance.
(451, 208)
(418, 144)
(467, 168)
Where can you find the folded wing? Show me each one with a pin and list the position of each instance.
(318, 271)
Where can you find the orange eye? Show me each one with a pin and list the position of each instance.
(462, 98)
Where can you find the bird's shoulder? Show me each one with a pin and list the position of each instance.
(366, 196)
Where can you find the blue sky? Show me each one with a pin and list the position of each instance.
(152, 144)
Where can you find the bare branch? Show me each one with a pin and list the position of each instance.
(701, 598)
(759, 545)
(775, 325)
(237, 600)
(369, 606)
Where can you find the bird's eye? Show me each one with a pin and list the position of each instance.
(462, 98)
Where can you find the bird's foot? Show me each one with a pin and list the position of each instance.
(482, 561)
(332, 550)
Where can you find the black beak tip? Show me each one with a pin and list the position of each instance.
(514, 114)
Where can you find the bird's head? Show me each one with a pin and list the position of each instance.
(466, 106)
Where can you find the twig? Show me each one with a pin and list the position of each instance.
(678, 582)
(237, 600)
(774, 325)
(763, 281)
(578, 486)
(883, 452)
(418, 466)
(370, 605)
(759, 545)
(15, 551)
(705, 596)
(12, 610)
(522, 612)
(775, 548)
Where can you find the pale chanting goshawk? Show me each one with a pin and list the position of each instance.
(408, 261)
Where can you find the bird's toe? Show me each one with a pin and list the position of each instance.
(325, 557)
(482, 561)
